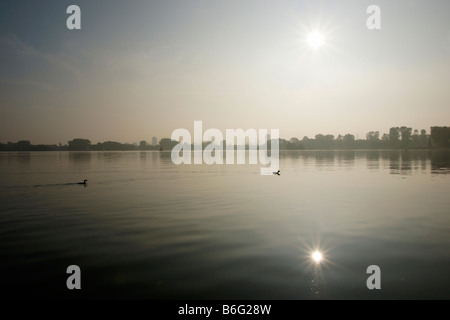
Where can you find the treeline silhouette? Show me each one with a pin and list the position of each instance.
(77, 145)
(397, 138)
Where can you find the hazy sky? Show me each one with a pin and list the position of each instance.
(138, 69)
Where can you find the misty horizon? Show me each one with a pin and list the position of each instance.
(379, 136)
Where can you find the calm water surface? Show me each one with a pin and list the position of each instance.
(145, 228)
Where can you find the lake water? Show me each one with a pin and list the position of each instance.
(146, 228)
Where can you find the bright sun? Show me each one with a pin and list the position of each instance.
(315, 40)
(317, 256)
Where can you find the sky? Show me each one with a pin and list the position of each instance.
(139, 69)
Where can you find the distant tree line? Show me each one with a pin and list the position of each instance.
(85, 145)
(25, 145)
(77, 145)
(397, 138)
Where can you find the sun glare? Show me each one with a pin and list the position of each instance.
(317, 256)
(315, 40)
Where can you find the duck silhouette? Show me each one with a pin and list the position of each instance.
(84, 182)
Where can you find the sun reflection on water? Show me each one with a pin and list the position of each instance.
(317, 256)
